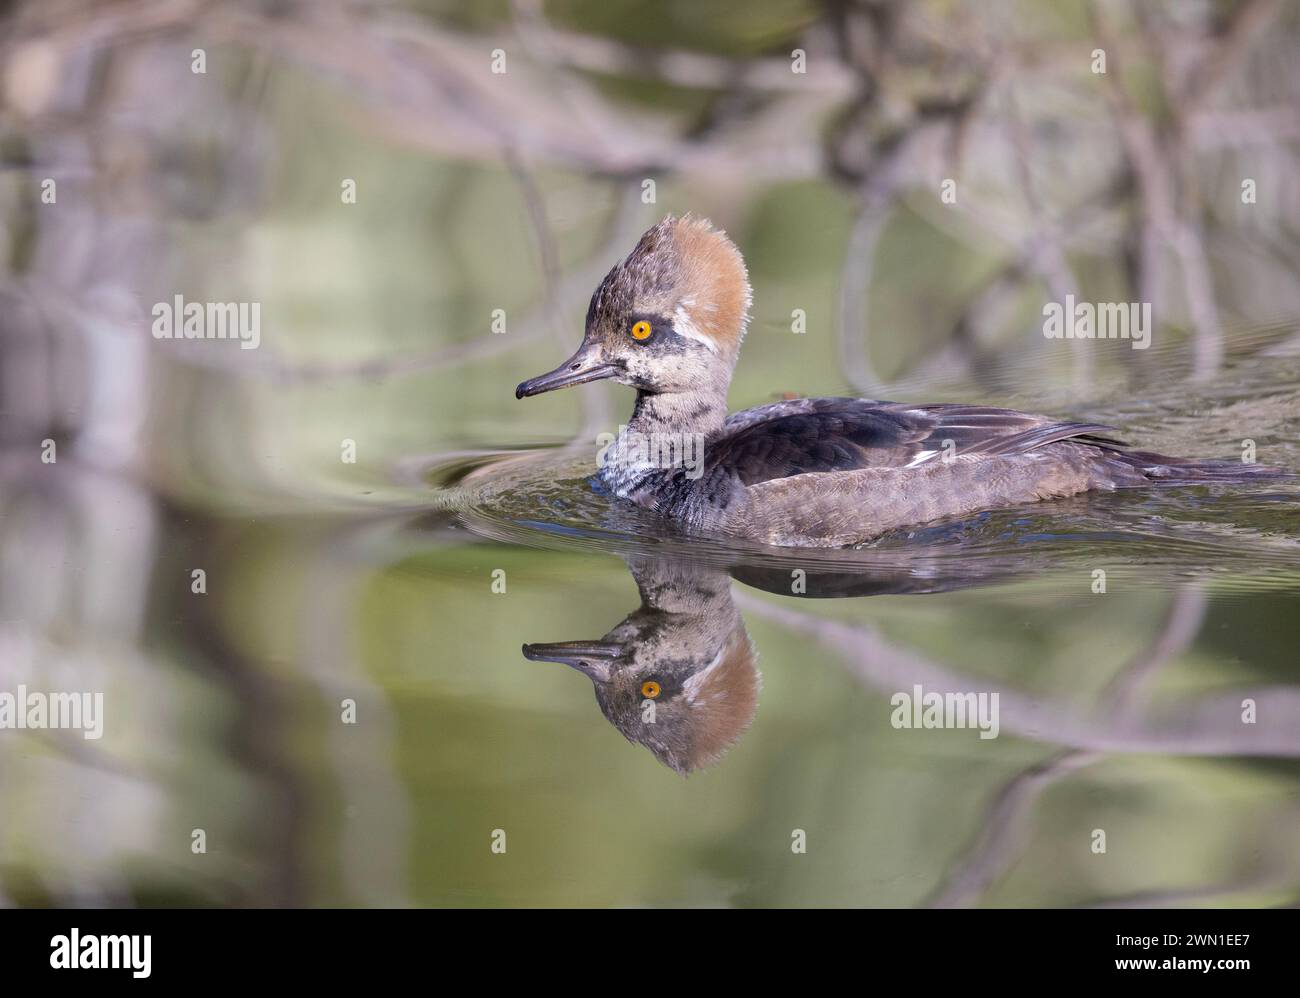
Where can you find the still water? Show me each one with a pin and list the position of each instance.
(364, 697)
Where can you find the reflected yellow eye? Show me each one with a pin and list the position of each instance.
(641, 331)
(650, 689)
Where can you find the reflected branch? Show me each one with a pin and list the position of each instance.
(1003, 832)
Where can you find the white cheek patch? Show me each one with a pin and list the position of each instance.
(683, 326)
(691, 687)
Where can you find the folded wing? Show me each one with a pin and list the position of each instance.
(847, 434)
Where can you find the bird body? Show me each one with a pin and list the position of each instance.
(819, 472)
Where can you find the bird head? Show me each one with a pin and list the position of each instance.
(667, 320)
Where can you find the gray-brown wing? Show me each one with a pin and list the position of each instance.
(846, 434)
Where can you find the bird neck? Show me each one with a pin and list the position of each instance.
(680, 588)
(697, 411)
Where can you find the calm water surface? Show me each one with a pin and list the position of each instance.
(1161, 715)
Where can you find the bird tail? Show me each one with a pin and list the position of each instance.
(1161, 469)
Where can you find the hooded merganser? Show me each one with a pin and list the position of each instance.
(822, 472)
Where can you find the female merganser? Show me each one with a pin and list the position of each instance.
(822, 472)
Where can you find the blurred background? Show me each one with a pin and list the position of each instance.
(422, 197)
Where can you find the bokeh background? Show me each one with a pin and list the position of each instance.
(479, 191)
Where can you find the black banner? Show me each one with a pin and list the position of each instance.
(341, 947)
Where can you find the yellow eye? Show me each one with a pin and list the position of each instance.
(641, 331)
(650, 689)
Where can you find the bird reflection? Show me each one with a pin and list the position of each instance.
(678, 674)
